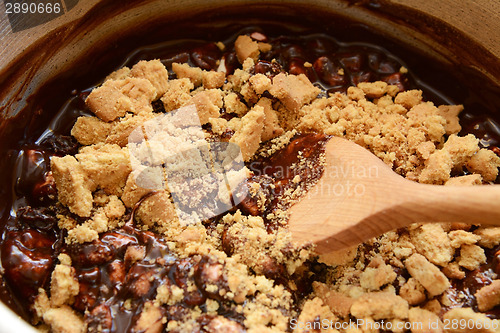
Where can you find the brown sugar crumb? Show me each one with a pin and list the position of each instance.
(486, 163)
(132, 193)
(471, 257)
(272, 128)
(373, 89)
(246, 48)
(184, 71)
(455, 153)
(260, 83)
(73, 189)
(450, 113)
(467, 180)
(249, 132)
(106, 166)
(233, 104)
(119, 74)
(178, 94)
(490, 236)
(453, 271)
(121, 129)
(314, 311)
(293, 91)
(428, 322)
(433, 242)
(376, 275)
(63, 285)
(212, 79)
(64, 320)
(338, 303)
(116, 97)
(409, 99)
(380, 305)
(485, 324)
(155, 72)
(90, 130)
(413, 292)
(157, 210)
(461, 237)
(208, 104)
(150, 319)
(429, 276)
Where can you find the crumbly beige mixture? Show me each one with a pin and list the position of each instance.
(417, 139)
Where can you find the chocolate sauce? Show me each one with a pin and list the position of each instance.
(31, 240)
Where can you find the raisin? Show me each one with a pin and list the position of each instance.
(231, 62)
(39, 218)
(60, 145)
(396, 79)
(329, 72)
(158, 106)
(206, 56)
(27, 260)
(268, 68)
(352, 62)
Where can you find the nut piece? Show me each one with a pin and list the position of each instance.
(150, 320)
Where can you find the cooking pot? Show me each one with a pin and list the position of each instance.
(49, 49)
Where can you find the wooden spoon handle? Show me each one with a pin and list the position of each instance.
(468, 204)
(413, 203)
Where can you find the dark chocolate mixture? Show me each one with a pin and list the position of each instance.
(31, 240)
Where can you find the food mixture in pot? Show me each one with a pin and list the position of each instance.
(91, 247)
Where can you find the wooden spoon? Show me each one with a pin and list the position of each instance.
(360, 197)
